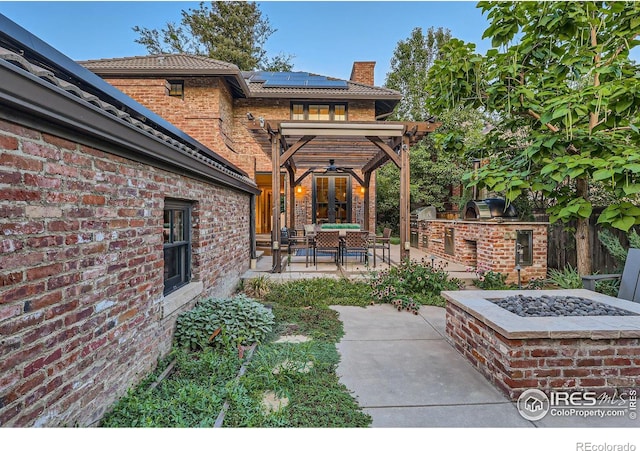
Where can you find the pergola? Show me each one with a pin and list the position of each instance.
(304, 146)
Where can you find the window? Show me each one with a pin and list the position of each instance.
(176, 88)
(319, 112)
(297, 112)
(177, 245)
(524, 247)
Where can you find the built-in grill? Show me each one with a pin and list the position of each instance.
(490, 209)
(419, 214)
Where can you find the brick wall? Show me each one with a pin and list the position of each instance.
(204, 113)
(515, 365)
(82, 314)
(488, 245)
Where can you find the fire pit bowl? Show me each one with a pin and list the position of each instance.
(599, 353)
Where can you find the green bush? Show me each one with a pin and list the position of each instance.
(568, 278)
(413, 281)
(319, 292)
(220, 322)
(491, 280)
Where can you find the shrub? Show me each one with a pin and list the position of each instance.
(413, 281)
(490, 280)
(615, 248)
(219, 322)
(567, 278)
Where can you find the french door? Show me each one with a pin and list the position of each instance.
(331, 199)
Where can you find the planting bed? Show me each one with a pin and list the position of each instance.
(598, 353)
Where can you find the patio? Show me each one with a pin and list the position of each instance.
(352, 268)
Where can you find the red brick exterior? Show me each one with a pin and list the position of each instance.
(82, 311)
(488, 245)
(546, 364)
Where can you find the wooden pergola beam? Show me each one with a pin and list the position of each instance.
(377, 161)
(386, 149)
(294, 148)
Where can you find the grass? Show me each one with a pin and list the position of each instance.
(193, 395)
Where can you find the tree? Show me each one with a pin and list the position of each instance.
(409, 66)
(561, 71)
(230, 31)
(434, 168)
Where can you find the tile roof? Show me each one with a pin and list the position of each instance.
(167, 63)
(353, 90)
(185, 65)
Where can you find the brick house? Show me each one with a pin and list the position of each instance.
(112, 221)
(328, 135)
(230, 110)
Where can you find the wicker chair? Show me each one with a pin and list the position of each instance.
(356, 242)
(327, 241)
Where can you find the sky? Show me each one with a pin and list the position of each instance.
(325, 37)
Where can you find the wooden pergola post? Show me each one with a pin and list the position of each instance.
(292, 197)
(275, 187)
(405, 193)
(367, 200)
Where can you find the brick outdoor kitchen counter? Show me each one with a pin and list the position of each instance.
(598, 353)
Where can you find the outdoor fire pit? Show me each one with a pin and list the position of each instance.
(556, 339)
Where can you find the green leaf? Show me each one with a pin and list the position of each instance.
(624, 104)
(624, 223)
(631, 189)
(560, 112)
(602, 174)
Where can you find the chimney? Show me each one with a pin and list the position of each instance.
(362, 72)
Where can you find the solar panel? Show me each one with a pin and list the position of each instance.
(297, 80)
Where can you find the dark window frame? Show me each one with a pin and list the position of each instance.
(180, 248)
(170, 90)
(526, 257)
(331, 105)
(331, 202)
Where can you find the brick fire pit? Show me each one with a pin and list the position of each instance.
(597, 353)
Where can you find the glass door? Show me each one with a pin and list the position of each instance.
(332, 199)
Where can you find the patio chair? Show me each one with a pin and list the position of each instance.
(326, 241)
(356, 242)
(629, 279)
(298, 240)
(382, 242)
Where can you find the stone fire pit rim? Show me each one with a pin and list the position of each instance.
(512, 326)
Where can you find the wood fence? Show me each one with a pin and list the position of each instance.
(562, 245)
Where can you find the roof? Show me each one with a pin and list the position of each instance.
(163, 63)
(244, 83)
(169, 65)
(260, 88)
